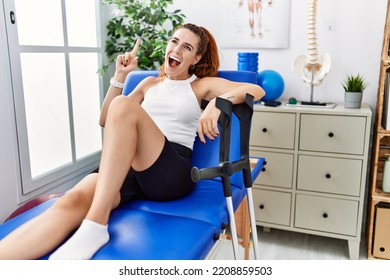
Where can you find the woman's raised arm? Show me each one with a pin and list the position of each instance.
(125, 63)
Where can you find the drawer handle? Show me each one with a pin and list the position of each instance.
(325, 215)
(264, 169)
(261, 206)
(331, 134)
(328, 176)
(264, 129)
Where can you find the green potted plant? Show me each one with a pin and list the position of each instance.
(353, 85)
(148, 20)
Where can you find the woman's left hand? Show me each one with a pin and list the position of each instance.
(208, 122)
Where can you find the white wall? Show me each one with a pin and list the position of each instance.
(354, 45)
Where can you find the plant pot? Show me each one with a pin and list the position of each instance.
(353, 100)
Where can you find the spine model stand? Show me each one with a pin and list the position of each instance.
(312, 68)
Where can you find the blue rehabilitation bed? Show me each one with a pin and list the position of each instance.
(187, 228)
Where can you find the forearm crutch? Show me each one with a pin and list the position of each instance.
(226, 168)
(244, 112)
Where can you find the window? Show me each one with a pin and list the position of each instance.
(55, 52)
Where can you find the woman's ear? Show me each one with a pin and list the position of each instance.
(197, 59)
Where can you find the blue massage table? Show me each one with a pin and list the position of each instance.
(189, 227)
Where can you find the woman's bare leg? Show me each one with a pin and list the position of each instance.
(131, 139)
(45, 232)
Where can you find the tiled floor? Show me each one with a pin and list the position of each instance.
(286, 245)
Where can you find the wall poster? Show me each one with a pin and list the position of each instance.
(256, 24)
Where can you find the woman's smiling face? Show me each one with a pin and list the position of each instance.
(181, 53)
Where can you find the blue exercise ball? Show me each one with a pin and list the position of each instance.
(272, 83)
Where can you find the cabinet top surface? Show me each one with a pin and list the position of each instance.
(338, 109)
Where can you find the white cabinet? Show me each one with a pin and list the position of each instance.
(314, 179)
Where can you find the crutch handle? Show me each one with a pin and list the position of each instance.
(224, 169)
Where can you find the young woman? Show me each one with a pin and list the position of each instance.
(148, 135)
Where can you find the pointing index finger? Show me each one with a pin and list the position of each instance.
(136, 46)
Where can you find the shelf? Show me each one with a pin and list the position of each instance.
(382, 132)
(381, 141)
(382, 152)
(386, 62)
(381, 196)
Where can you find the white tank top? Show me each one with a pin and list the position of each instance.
(173, 106)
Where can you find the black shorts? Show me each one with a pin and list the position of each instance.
(167, 179)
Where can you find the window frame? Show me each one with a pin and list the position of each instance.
(77, 167)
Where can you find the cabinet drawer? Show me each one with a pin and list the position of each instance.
(326, 214)
(274, 130)
(272, 207)
(278, 170)
(329, 175)
(335, 134)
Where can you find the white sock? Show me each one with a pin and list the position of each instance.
(84, 243)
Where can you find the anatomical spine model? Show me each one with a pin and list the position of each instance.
(312, 68)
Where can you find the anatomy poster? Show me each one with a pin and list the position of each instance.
(256, 24)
